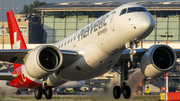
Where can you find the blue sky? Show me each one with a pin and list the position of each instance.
(9, 4)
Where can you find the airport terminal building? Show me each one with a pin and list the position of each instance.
(53, 22)
(61, 19)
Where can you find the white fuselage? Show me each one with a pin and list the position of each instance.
(101, 42)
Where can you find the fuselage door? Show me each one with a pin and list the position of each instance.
(112, 21)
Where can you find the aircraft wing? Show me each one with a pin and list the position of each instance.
(7, 76)
(13, 55)
(138, 53)
(69, 57)
(17, 56)
(177, 52)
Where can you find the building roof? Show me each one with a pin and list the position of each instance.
(107, 6)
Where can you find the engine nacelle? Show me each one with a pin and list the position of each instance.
(43, 61)
(158, 60)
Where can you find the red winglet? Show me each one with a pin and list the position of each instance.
(16, 39)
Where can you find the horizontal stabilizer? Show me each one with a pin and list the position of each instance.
(7, 76)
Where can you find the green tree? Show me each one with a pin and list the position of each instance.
(28, 9)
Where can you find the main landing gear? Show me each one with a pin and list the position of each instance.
(125, 66)
(47, 91)
(123, 88)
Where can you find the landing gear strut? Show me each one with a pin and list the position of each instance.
(133, 63)
(123, 88)
(46, 90)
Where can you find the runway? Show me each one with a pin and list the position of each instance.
(80, 98)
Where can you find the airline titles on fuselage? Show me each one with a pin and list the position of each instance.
(93, 27)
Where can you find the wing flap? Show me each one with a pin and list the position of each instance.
(7, 76)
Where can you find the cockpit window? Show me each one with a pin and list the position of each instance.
(123, 12)
(136, 9)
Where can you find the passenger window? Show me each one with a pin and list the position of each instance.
(65, 44)
(71, 39)
(123, 12)
(61, 45)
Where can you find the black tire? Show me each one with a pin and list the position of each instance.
(38, 92)
(135, 64)
(48, 93)
(18, 93)
(130, 64)
(116, 92)
(127, 92)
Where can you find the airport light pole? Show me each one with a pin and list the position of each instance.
(166, 75)
(3, 8)
(16, 8)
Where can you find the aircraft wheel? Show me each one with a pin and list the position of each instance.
(135, 64)
(132, 64)
(48, 93)
(38, 92)
(127, 92)
(116, 92)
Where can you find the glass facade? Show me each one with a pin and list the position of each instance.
(165, 25)
(58, 25)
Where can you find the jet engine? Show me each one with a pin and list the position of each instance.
(158, 60)
(43, 61)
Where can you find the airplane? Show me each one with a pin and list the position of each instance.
(89, 52)
(69, 84)
(73, 84)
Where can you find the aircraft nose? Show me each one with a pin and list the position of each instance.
(148, 23)
(142, 22)
(83, 82)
